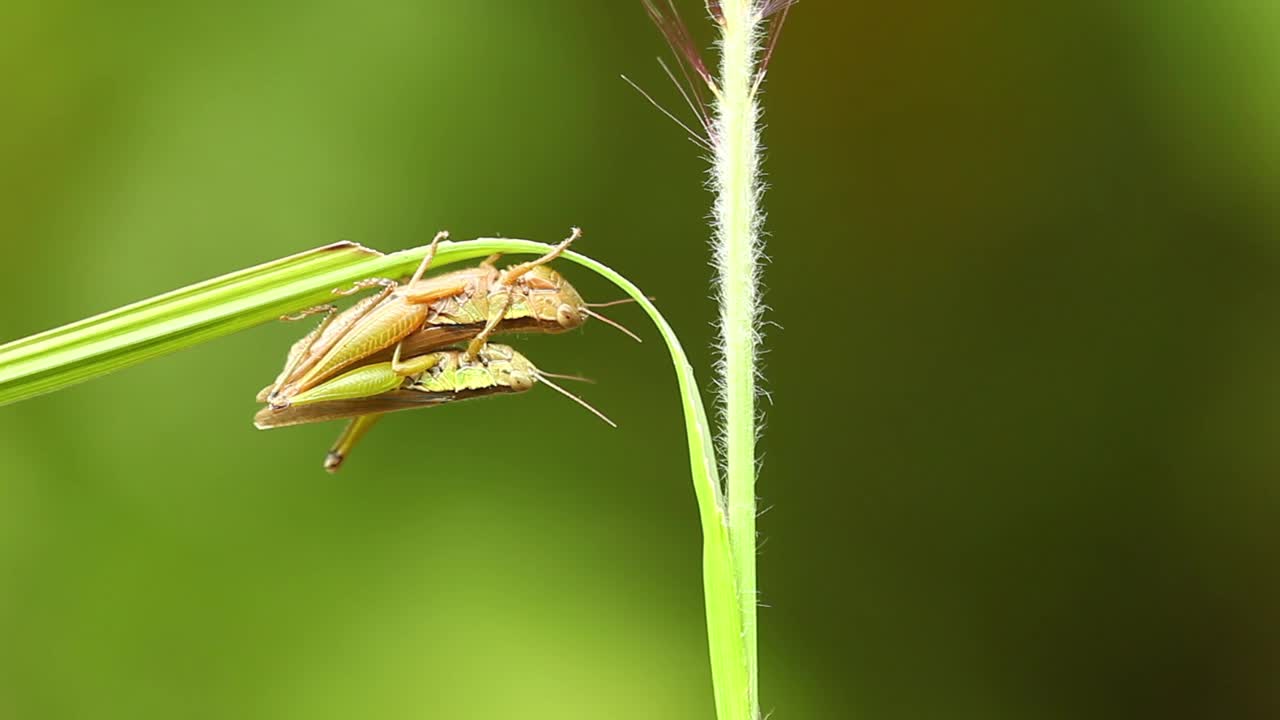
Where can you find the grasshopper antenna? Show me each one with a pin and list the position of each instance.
(614, 323)
(611, 303)
(543, 377)
(575, 378)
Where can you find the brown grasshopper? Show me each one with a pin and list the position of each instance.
(425, 314)
(369, 391)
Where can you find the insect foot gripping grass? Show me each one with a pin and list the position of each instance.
(727, 108)
(165, 323)
(426, 313)
(368, 392)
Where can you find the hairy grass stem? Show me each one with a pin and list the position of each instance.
(749, 31)
(735, 181)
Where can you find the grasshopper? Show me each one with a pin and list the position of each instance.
(426, 314)
(368, 392)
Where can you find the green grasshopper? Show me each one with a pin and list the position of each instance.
(426, 314)
(368, 392)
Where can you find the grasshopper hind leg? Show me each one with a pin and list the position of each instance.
(431, 255)
(299, 350)
(513, 273)
(346, 442)
(414, 365)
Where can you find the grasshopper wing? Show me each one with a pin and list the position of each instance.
(393, 401)
(268, 418)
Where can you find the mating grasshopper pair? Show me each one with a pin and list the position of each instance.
(391, 351)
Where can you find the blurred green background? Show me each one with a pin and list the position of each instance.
(1021, 455)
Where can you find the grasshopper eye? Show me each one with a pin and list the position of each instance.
(568, 316)
(521, 381)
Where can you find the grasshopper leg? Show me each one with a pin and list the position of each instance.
(359, 384)
(297, 352)
(495, 317)
(352, 434)
(490, 262)
(364, 284)
(388, 283)
(366, 381)
(303, 314)
(513, 273)
(431, 255)
(414, 365)
(435, 291)
(320, 342)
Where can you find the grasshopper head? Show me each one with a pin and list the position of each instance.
(553, 299)
(508, 367)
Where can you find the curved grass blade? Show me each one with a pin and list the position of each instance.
(73, 353)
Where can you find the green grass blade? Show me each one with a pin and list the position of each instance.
(730, 668)
(73, 353)
(166, 323)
